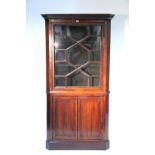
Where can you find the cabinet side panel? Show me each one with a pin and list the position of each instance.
(106, 55)
(49, 55)
(65, 118)
(106, 73)
(106, 112)
(49, 117)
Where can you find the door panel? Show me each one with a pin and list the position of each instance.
(65, 117)
(91, 120)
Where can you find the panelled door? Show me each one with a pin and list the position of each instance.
(90, 118)
(65, 118)
(78, 118)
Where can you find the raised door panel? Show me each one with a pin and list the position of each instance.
(65, 117)
(91, 120)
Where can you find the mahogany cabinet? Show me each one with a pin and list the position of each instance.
(77, 71)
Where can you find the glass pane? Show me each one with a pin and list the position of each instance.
(77, 55)
(92, 69)
(92, 43)
(94, 30)
(78, 32)
(61, 37)
(60, 81)
(95, 55)
(59, 55)
(95, 81)
(77, 79)
(62, 68)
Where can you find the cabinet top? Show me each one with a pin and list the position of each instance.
(79, 16)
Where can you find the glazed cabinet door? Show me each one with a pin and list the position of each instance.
(77, 55)
(91, 120)
(65, 118)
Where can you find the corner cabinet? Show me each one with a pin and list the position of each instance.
(77, 71)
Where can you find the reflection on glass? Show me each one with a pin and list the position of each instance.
(92, 43)
(77, 55)
(78, 32)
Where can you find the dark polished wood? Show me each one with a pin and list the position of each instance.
(79, 16)
(77, 145)
(77, 116)
(64, 118)
(91, 119)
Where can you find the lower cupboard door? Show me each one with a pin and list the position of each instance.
(91, 120)
(64, 118)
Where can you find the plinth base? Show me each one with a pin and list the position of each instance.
(77, 145)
